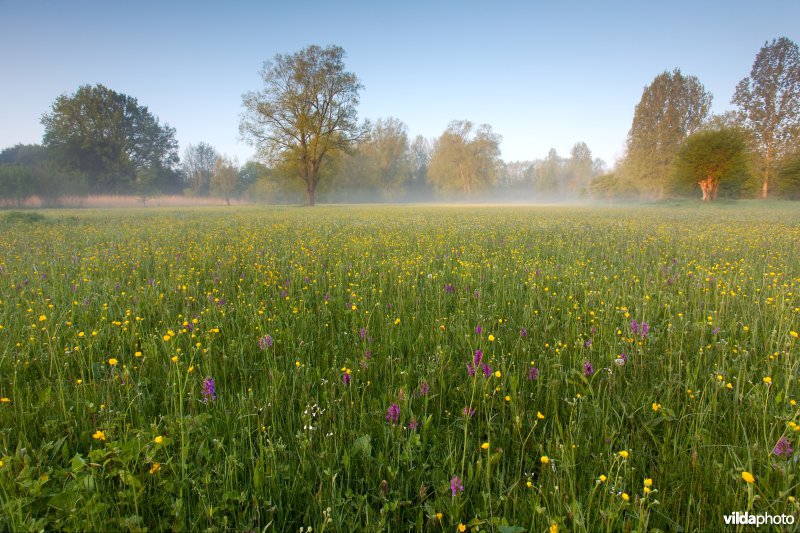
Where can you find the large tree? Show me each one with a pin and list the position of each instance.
(769, 104)
(465, 159)
(108, 137)
(198, 166)
(305, 113)
(711, 158)
(672, 107)
(225, 178)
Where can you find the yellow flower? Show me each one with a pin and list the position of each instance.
(159, 439)
(794, 334)
(166, 338)
(137, 354)
(441, 327)
(112, 362)
(553, 528)
(439, 516)
(396, 321)
(155, 468)
(508, 398)
(748, 477)
(529, 484)
(297, 364)
(544, 459)
(729, 386)
(491, 338)
(648, 482)
(624, 454)
(539, 415)
(498, 374)
(485, 446)
(647, 490)
(99, 435)
(625, 496)
(174, 358)
(5, 400)
(602, 478)
(461, 527)
(42, 318)
(656, 406)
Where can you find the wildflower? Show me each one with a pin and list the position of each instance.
(624, 454)
(468, 411)
(393, 413)
(498, 374)
(485, 446)
(166, 338)
(137, 354)
(544, 460)
(362, 333)
(99, 435)
(478, 356)
(5, 400)
(491, 338)
(621, 359)
(265, 342)
(159, 439)
(507, 398)
(588, 369)
(42, 318)
(424, 388)
(471, 370)
(553, 528)
(783, 448)
(487, 370)
(533, 373)
(767, 380)
(634, 327)
(112, 362)
(656, 406)
(412, 425)
(346, 378)
(456, 486)
(645, 329)
(529, 484)
(155, 468)
(209, 391)
(748, 477)
(648, 482)
(794, 334)
(625, 496)
(523, 333)
(602, 478)
(539, 415)
(448, 288)
(588, 343)
(478, 329)
(715, 332)
(439, 516)
(461, 528)
(396, 321)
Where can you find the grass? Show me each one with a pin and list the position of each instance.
(319, 326)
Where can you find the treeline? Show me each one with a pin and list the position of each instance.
(310, 145)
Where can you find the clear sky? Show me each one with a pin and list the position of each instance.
(543, 74)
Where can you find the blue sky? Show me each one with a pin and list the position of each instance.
(543, 74)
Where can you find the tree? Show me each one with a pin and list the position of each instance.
(788, 178)
(305, 112)
(580, 169)
(225, 178)
(672, 107)
(464, 159)
(711, 157)
(769, 104)
(198, 165)
(108, 137)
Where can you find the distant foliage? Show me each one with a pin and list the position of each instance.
(716, 161)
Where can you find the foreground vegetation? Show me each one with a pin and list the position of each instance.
(398, 368)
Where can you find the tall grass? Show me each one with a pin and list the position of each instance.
(319, 327)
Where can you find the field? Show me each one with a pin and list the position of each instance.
(399, 368)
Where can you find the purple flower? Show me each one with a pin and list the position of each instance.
(783, 448)
(471, 370)
(346, 378)
(412, 425)
(588, 342)
(478, 356)
(478, 329)
(533, 373)
(393, 413)
(265, 342)
(588, 369)
(468, 411)
(715, 332)
(448, 288)
(634, 326)
(645, 329)
(487, 370)
(456, 486)
(209, 391)
(363, 333)
(423, 389)
(523, 333)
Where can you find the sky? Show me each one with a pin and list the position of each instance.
(543, 74)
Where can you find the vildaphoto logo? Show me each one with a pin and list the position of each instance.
(747, 519)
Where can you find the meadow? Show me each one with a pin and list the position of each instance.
(399, 368)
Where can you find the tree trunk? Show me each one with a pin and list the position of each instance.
(765, 187)
(705, 186)
(309, 195)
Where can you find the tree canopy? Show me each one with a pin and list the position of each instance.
(465, 159)
(108, 137)
(769, 104)
(672, 107)
(305, 113)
